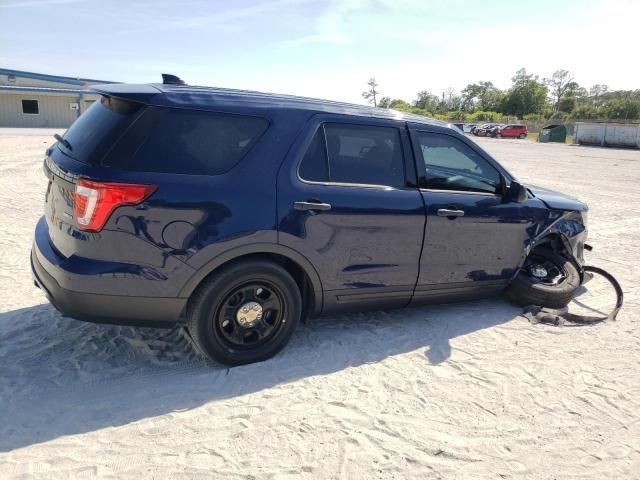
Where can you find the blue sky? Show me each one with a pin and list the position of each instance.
(324, 48)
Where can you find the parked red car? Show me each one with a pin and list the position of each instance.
(510, 131)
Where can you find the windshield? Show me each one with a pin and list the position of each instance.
(97, 129)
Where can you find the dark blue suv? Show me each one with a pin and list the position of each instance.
(240, 213)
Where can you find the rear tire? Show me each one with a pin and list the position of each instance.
(522, 135)
(244, 313)
(528, 290)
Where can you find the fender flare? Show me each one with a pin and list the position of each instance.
(257, 248)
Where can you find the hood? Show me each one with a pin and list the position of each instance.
(557, 200)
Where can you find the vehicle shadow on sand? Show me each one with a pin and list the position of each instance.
(65, 377)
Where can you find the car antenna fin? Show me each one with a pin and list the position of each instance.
(168, 79)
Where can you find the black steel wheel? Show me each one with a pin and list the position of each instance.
(546, 279)
(250, 315)
(244, 313)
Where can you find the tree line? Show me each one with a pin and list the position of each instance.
(528, 98)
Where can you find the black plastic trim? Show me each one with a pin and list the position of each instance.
(456, 292)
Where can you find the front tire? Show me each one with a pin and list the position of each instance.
(553, 290)
(244, 313)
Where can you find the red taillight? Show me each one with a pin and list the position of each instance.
(96, 201)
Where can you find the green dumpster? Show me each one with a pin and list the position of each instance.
(553, 133)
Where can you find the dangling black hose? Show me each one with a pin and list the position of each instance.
(612, 280)
(536, 313)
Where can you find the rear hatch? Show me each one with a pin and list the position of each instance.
(77, 155)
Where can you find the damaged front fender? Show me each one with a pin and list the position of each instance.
(564, 231)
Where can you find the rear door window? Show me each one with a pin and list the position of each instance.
(355, 154)
(168, 140)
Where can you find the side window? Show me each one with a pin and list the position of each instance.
(364, 154)
(168, 140)
(452, 165)
(355, 154)
(314, 165)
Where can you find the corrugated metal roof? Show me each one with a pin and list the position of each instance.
(46, 90)
(50, 78)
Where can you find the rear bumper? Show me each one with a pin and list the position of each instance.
(99, 308)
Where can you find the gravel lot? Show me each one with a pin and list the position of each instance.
(459, 391)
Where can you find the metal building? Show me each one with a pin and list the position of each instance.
(608, 134)
(30, 99)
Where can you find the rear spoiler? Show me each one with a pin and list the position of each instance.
(141, 93)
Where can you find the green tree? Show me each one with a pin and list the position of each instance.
(481, 96)
(596, 94)
(559, 97)
(471, 95)
(566, 104)
(573, 96)
(623, 109)
(450, 101)
(560, 84)
(458, 115)
(481, 116)
(587, 112)
(526, 95)
(398, 104)
(426, 101)
(371, 94)
(384, 102)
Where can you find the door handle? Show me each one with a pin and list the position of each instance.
(445, 212)
(307, 206)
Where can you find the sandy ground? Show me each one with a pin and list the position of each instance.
(460, 391)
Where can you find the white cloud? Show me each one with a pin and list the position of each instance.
(595, 40)
(331, 27)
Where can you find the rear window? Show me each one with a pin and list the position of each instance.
(97, 129)
(168, 140)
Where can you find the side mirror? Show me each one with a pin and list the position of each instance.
(516, 192)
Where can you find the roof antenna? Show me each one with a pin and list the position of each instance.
(168, 79)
